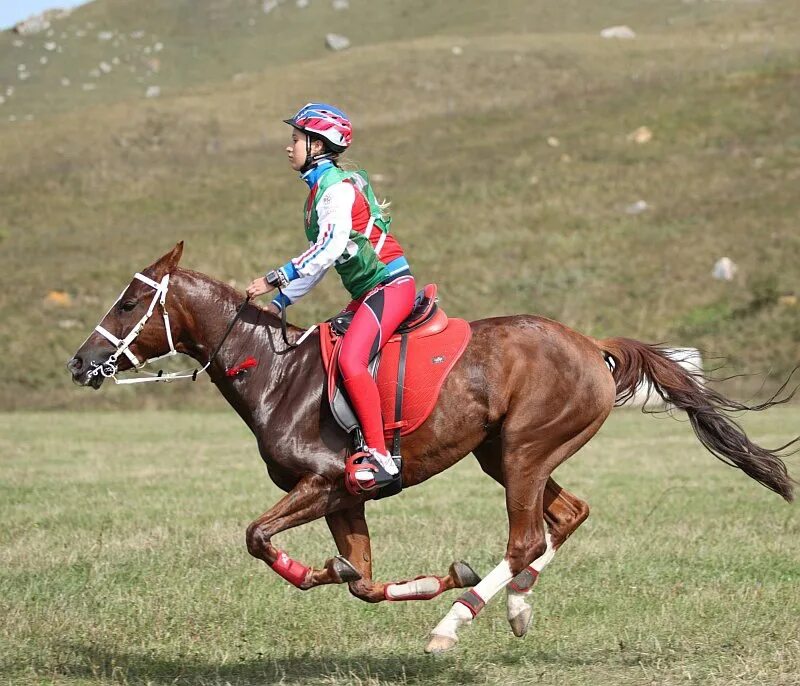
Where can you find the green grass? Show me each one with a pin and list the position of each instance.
(100, 184)
(122, 560)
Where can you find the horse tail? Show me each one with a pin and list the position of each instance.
(635, 362)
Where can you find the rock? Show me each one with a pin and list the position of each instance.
(65, 81)
(340, 4)
(637, 207)
(158, 47)
(58, 298)
(115, 61)
(23, 75)
(68, 324)
(105, 35)
(136, 35)
(29, 27)
(553, 142)
(50, 46)
(268, 5)
(2, 100)
(18, 43)
(457, 50)
(724, 269)
(152, 92)
(89, 86)
(43, 60)
(22, 67)
(623, 32)
(641, 135)
(12, 118)
(105, 67)
(788, 300)
(94, 73)
(302, 4)
(337, 42)
(9, 91)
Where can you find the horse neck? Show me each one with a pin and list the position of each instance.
(206, 309)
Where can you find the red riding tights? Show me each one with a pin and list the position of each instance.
(377, 316)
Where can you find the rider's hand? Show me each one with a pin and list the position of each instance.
(258, 287)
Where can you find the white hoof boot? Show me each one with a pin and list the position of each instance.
(440, 644)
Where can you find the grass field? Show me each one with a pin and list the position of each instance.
(122, 560)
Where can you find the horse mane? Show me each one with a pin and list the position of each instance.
(234, 296)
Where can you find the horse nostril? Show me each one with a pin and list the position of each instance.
(75, 364)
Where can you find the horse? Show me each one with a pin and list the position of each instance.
(527, 394)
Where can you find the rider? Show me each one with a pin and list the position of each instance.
(347, 229)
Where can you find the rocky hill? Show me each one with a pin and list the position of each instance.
(533, 164)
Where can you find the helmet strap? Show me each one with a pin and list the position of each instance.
(314, 160)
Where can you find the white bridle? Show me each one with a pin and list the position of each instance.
(108, 369)
(123, 345)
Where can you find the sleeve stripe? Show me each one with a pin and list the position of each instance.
(317, 248)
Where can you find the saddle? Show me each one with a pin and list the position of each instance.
(409, 371)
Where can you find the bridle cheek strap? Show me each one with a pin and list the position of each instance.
(123, 345)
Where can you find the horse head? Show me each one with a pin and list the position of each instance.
(135, 329)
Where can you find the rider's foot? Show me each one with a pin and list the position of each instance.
(369, 471)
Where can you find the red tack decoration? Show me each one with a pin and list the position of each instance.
(239, 368)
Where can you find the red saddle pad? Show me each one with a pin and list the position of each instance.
(431, 353)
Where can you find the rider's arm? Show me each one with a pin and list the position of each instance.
(296, 289)
(334, 213)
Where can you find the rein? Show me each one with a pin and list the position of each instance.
(109, 368)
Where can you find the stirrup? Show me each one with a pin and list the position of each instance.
(362, 461)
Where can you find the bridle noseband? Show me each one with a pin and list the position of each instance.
(123, 345)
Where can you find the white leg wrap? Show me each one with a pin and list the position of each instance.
(460, 614)
(494, 581)
(427, 587)
(541, 562)
(457, 616)
(517, 601)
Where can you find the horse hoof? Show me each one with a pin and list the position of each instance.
(464, 575)
(343, 570)
(521, 623)
(440, 644)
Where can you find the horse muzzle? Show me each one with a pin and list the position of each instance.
(85, 369)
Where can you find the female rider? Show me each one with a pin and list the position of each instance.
(347, 230)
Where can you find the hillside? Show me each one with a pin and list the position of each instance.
(502, 139)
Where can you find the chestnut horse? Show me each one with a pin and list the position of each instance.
(527, 393)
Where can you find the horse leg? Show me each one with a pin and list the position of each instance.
(307, 501)
(563, 513)
(526, 473)
(350, 531)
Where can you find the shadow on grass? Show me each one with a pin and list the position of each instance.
(104, 664)
(459, 667)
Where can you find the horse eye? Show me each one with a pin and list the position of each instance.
(128, 305)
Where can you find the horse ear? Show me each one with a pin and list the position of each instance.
(167, 263)
(175, 255)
